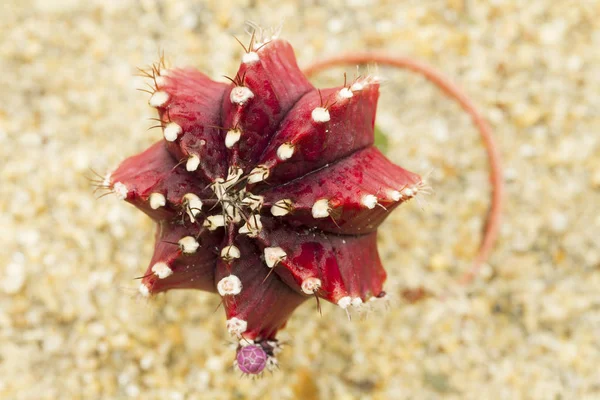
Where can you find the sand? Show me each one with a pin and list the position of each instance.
(71, 324)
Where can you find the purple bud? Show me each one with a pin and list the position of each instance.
(251, 359)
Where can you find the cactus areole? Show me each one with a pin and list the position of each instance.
(266, 191)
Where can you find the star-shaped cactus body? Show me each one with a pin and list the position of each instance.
(266, 191)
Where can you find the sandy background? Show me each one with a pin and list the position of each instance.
(71, 326)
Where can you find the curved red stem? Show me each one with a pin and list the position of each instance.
(454, 92)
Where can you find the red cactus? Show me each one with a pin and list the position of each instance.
(266, 191)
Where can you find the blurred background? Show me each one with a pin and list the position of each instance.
(71, 325)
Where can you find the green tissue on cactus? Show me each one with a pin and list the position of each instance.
(381, 140)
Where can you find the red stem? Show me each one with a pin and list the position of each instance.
(454, 92)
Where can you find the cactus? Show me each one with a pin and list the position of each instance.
(266, 191)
